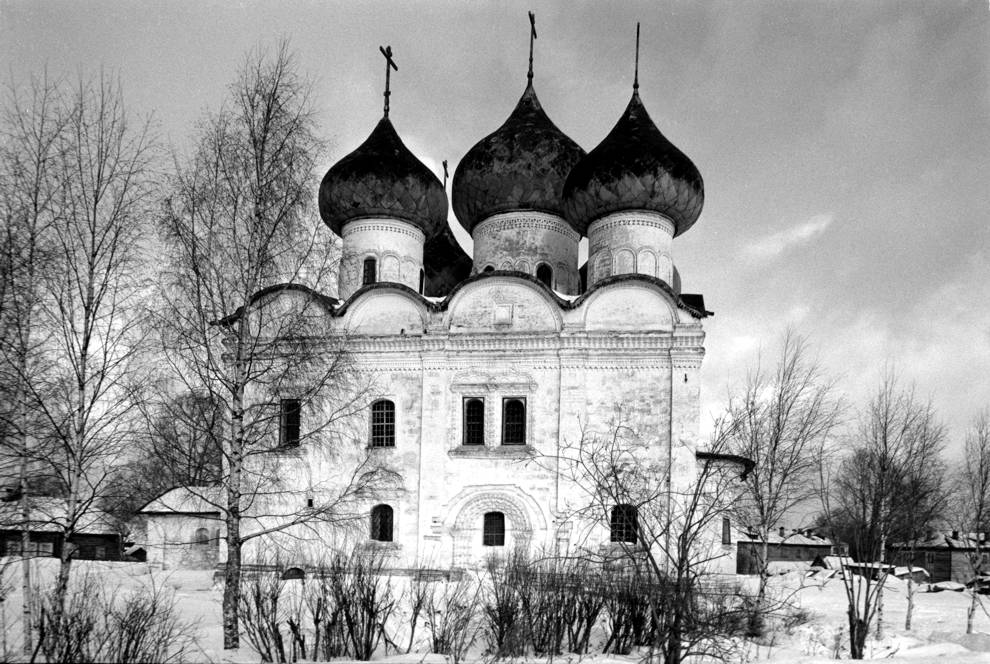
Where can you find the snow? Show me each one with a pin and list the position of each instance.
(939, 618)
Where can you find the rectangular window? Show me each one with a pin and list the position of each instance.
(493, 529)
(383, 424)
(726, 531)
(289, 420)
(474, 421)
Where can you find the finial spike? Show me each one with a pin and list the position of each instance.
(532, 36)
(636, 74)
(389, 65)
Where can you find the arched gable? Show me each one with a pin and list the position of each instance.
(503, 303)
(629, 305)
(384, 312)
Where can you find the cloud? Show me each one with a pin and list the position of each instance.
(773, 245)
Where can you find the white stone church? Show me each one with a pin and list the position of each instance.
(487, 366)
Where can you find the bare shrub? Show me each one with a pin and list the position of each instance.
(502, 609)
(94, 626)
(452, 617)
(261, 614)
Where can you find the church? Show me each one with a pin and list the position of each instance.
(487, 367)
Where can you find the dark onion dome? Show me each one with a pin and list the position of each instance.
(382, 178)
(634, 168)
(522, 165)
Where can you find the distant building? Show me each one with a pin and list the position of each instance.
(183, 527)
(96, 537)
(796, 546)
(947, 556)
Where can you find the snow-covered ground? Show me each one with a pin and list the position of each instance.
(938, 634)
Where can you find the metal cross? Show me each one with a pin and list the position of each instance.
(389, 65)
(445, 175)
(636, 75)
(532, 36)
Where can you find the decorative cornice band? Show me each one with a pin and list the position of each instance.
(631, 218)
(384, 225)
(510, 221)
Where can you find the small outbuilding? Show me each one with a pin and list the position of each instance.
(948, 555)
(796, 548)
(96, 536)
(184, 528)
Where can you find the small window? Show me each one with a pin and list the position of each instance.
(383, 424)
(289, 420)
(474, 421)
(493, 533)
(514, 421)
(293, 573)
(370, 274)
(381, 523)
(99, 553)
(489, 268)
(544, 273)
(201, 537)
(422, 281)
(726, 531)
(624, 524)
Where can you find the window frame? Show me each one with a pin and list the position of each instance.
(366, 279)
(465, 424)
(506, 401)
(622, 529)
(381, 515)
(386, 438)
(286, 413)
(549, 282)
(493, 530)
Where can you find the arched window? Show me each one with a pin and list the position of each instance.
(201, 537)
(370, 274)
(544, 273)
(383, 424)
(293, 573)
(381, 523)
(514, 421)
(422, 281)
(474, 421)
(624, 524)
(489, 268)
(493, 533)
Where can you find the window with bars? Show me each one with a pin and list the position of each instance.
(514, 421)
(493, 532)
(370, 273)
(544, 273)
(290, 412)
(624, 524)
(381, 523)
(474, 421)
(383, 424)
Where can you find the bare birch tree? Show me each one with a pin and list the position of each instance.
(241, 241)
(973, 495)
(898, 438)
(32, 124)
(782, 420)
(91, 302)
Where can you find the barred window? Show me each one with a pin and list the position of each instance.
(383, 424)
(381, 523)
(624, 524)
(289, 422)
(493, 533)
(514, 421)
(370, 271)
(544, 273)
(474, 421)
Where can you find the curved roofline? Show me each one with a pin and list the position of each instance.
(747, 463)
(338, 308)
(326, 300)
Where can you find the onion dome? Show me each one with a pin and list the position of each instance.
(522, 165)
(634, 168)
(382, 178)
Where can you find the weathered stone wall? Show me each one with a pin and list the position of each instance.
(523, 240)
(177, 542)
(396, 246)
(632, 241)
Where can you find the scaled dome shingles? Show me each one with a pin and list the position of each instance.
(382, 178)
(522, 165)
(634, 168)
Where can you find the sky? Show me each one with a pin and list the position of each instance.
(844, 145)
